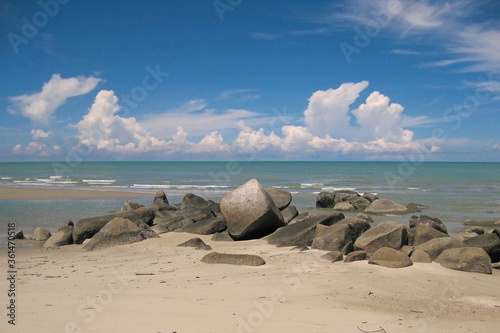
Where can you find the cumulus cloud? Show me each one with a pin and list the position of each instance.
(40, 134)
(42, 105)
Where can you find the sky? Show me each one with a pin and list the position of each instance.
(356, 80)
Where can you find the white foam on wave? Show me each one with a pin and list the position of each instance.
(331, 188)
(6, 178)
(55, 177)
(303, 185)
(99, 181)
(412, 188)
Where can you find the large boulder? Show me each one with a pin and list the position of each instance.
(289, 213)
(233, 259)
(191, 200)
(423, 233)
(437, 245)
(63, 236)
(432, 222)
(359, 202)
(118, 231)
(250, 212)
(389, 257)
(386, 234)
(41, 234)
(171, 224)
(468, 259)
(344, 206)
(87, 228)
(325, 200)
(302, 233)
(488, 242)
(370, 196)
(421, 256)
(339, 235)
(356, 256)
(385, 206)
(281, 198)
(206, 227)
(344, 195)
(160, 197)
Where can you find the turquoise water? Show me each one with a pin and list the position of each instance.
(453, 192)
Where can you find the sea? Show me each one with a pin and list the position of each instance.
(454, 192)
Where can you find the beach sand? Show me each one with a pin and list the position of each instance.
(155, 286)
(18, 193)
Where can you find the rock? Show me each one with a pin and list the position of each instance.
(414, 208)
(419, 255)
(437, 245)
(302, 232)
(87, 228)
(386, 234)
(423, 233)
(281, 198)
(325, 200)
(385, 206)
(358, 226)
(41, 234)
(19, 235)
(495, 265)
(356, 256)
(359, 203)
(63, 236)
(289, 213)
(300, 217)
(162, 206)
(407, 249)
(331, 238)
(477, 230)
(389, 257)
(233, 259)
(215, 207)
(365, 217)
(206, 227)
(171, 224)
(370, 197)
(467, 234)
(118, 231)
(197, 243)
(222, 237)
(160, 197)
(130, 205)
(496, 231)
(300, 248)
(488, 242)
(250, 212)
(344, 207)
(467, 259)
(432, 222)
(191, 200)
(333, 256)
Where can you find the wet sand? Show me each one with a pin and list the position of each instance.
(21, 193)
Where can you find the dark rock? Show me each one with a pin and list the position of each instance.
(389, 257)
(118, 231)
(344, 206)
(333, 256)
(162, 206)
(325, 200)
(87, 228)
(468, 259)
(197, 243)
(233, 259)
(385, 206)
(300, 248)
(423, 233)
(302, 233)
(215, 207)
(19, 235)
(496, 231)
(386, 234)
(359, 203)
(365, 217)
(414, 208)
(41, 234)
(196, 214)
(160, 197)
(432, 222)
(281, 198)
(437, 245)
(191, 200)
(358, 226)
(206, 227)
(63, 236)
(419, 255)
(222, 237)
(171, 224)
(300, 217)
(250, 212)
(356, 256)
(289, 213)
(488, 242)
(370, 197)
(130, 205)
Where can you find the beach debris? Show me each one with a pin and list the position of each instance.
(385, 206)
(289, 213)
(358, 255)
(386, 234)
(302, 232)
(333, 256)
(423, 233)
(130, 206)
(391, 258)
(467, 259)
(419, 255)
(197, 243)
(118, 231)
(250, 212)
(233, 259)
(488, 242)
(281, 198)
(432, 222)
(63, 236)
(41, 234)
(437, 245)
(222, 237)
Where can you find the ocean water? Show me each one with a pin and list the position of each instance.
(453, 192)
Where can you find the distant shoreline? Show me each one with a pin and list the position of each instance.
(30, 193)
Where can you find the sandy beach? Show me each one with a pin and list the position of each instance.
(22, 193)
(155, 286)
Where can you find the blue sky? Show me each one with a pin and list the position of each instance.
(250, 80)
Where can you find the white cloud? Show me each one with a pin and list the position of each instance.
(41, 106)
(17, 149)
(40, 134)
(496, 147)
(242, 95)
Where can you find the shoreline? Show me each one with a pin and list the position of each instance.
(33, 193)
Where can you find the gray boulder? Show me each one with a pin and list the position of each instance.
(289, 213)
(325, 200)
(423, 233)
(432, 222)
(206, 227)
(300, 217)
(344, 195)
(41, 234)
(359, 202)
(118, 231)
(389, 257)
(370, 197)
(356, 256)
(197, 243)
(437, 245)
(281, 198)
(365, 217)
(63, 236)
(160, 197)
(339, 235)
(250, 212)
(386, 234)
(333, 256)
(488, 242)
(191, 200)
(385, 206)
(130, 205)
(419, 255)
(302, 232)
(467, 259)
(233, 259)
(344, 206)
